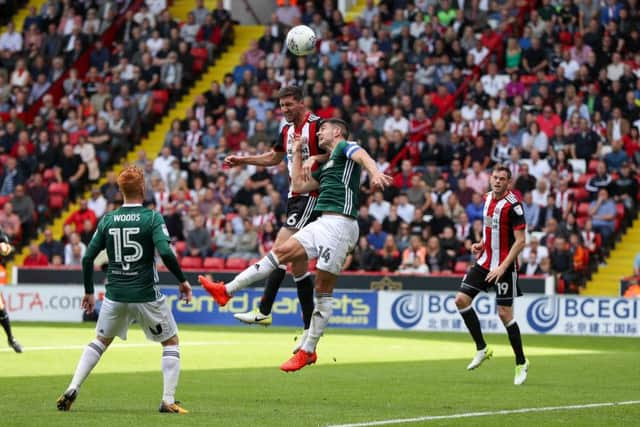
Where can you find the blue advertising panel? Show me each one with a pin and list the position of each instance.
(358, 309)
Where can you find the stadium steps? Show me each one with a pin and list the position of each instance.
(180, 8)
(152, 143)
(606, 281)
(23, 12)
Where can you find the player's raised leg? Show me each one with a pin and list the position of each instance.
(289, 251)
(262, 314)
(513, 330)
(470, 317)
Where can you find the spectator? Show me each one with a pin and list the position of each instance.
(414, 257)
(363, 258)
(532, 266)
(71, 170)
(78, 217)
(437, 259)
(87, 231)
(51, 247)
(35, 257)
(478, 179)
(10, 223)
(405, 209)
(97, 203)
(23, 207)
(389, 255)
(603, 213)
(602, 179)
(247, 243)
(11, 177)
(74, 250)
(226, 241)
(199, 239)
(376, 236)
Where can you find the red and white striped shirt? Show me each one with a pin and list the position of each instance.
(501, 217)
(308, 131)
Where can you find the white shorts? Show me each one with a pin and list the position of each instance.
(154, 317)
(330, 239)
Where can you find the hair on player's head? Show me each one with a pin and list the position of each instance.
(502, 168)
(340, 124)
(293, 91)
(131, 183)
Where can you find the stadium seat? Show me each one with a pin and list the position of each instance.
(191, 262)
(583, 209)
(461, 267)
(180, 246)
(213, 263)
(582, 181)
(619, 211)
(3, 200)
(236, 263)
(581, 221)
(593, 164)
(580, 194)
(61, 188)
(161, 95)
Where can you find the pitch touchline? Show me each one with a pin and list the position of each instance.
(485, 414)
(120, 346)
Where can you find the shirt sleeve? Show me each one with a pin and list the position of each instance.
(349, 148)
(95, 246)
(516, 216)
(278, 144)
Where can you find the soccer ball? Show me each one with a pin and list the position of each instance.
(301, 40)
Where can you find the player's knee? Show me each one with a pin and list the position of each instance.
(505, 314)
(171, 341)
(299, 267)
(462, 301)
(105, 341)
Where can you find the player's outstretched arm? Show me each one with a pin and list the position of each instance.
(378, 179)
(299, 183)
(270, 158)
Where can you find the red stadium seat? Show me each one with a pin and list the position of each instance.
(460, 267)
(593, 163)
(191, 262)
(584, 178)
(583, 209)
(236, 263)
(56, 202)
(180, 246)
(580, 194)
(619, 211)
(161, 95)
(59, 188)
(3, 200)
(198, 65)
(581, 221)
(200, 53)
(212, 263)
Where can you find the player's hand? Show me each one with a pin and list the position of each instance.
(381, 181)
(88, 303)
(476, 249)
(185, 291)
(495, 275)
(307, 167)
(232, 161)
(5, 248)
(296, 143)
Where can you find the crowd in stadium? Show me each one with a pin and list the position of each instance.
(436, 91)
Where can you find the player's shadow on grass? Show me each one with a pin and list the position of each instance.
(323, 394)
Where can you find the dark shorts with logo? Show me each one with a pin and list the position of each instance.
(507, 287)
(300, 211)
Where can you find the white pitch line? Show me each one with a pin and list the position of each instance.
(488, 413)
(119, 346)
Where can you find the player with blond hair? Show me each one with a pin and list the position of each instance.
(131, 234)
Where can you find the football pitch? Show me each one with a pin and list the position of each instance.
(230, 377)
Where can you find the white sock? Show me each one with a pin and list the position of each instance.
(170, 372)
(87, 362)
(258, 271)
(319, 321)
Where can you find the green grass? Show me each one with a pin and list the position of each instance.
(230, 377)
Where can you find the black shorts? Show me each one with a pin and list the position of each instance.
(506, 289)
(300, 211)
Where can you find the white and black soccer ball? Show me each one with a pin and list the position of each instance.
(301, 40)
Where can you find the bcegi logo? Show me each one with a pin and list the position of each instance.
(544, 314)
(407, 309)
